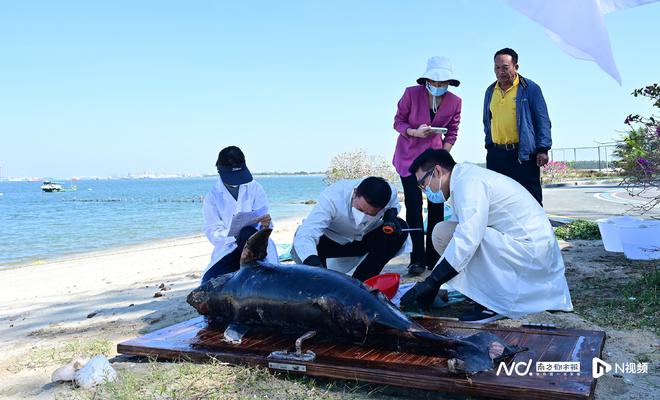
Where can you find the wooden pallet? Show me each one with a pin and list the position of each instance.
(194, 340)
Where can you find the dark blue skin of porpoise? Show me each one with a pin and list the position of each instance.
(297, 298)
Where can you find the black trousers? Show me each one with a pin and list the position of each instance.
(527, 173)
(379, 248)
(230, 262)
(415, 219)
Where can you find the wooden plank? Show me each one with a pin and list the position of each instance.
(193, 340)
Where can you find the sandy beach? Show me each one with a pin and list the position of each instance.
(52, 297)
(115, 294)
(122, 293)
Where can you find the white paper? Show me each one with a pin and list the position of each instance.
(243, 219)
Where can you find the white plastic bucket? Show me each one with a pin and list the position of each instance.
(641, 242)
(609, 231)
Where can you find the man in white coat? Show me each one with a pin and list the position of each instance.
(235, 191)
(348, 221)
(501, 253)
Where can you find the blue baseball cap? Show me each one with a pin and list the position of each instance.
(235, 174)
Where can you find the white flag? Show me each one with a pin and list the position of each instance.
(578, 26)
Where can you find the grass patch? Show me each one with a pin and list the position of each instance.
(214, 380)
(631, 305)
(63, 354)
(578, 230)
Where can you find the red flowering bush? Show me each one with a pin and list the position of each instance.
(639, 152)
(554, 171)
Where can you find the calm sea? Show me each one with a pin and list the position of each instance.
(103, 214)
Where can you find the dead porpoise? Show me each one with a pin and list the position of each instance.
(297, 298)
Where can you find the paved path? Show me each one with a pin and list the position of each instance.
(591, 202)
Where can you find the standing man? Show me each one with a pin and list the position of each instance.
(516, 124)
(501, 252)
(348, 221)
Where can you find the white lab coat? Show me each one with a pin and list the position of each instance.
(504, 247)
(220, 207)
(332, 216)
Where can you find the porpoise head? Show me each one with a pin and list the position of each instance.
(199, 298)
(256, 247)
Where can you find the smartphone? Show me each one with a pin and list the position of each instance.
(438, 130)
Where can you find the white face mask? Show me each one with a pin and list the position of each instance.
(360, 217)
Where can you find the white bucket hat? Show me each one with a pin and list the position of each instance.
(439, 69)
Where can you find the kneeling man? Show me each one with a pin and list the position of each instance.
(348, 221)
(502, 253)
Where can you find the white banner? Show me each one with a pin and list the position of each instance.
(578, 26)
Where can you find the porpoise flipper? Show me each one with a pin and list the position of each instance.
(234, 333)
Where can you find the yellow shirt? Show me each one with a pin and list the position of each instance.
(503, 125)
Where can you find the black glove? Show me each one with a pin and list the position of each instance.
(392, 224)
(421, 295)
(313, 261)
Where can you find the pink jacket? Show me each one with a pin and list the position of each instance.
(413, 111)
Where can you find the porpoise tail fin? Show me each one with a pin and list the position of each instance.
(256, 247)
(486, 351)
(476, 353)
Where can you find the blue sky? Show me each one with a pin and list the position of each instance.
(108, 88)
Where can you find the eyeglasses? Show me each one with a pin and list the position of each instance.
(420, 182)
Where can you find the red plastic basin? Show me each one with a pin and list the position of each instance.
(386, 283)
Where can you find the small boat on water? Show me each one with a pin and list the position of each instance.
(49, 186)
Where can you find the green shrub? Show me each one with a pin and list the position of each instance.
(578, 230)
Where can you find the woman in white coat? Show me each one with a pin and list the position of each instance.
(501, 253)
(235, 191)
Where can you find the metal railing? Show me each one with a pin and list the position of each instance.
(601, 158)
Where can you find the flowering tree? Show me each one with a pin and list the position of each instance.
(358, 164)
(554, 171)
(639, 152)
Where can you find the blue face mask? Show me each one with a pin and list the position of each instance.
(434, 197)
(436, 91)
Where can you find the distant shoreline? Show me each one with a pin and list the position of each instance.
(148, 176)
(300, 173)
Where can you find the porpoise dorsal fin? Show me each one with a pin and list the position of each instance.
(256, 247)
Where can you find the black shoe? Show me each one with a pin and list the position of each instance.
(480, 315)
(415, 269)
